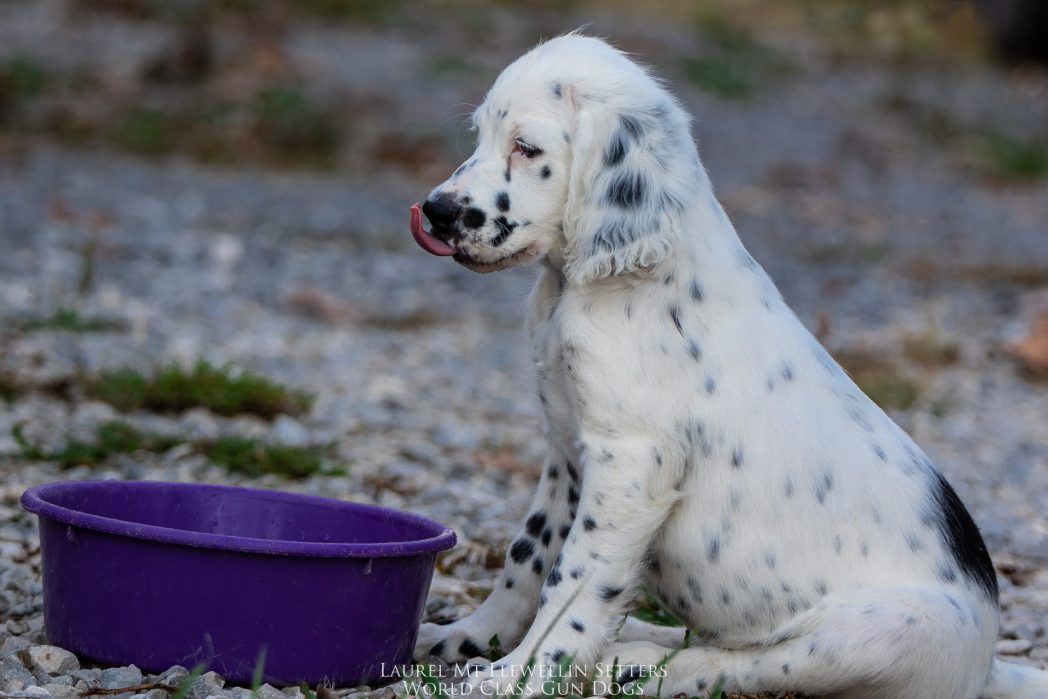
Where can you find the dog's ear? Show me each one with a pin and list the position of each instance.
(625, 189)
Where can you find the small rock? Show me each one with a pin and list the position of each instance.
(239, 693)
(61, 691)
(268, 691)
(17, 626)
(35, 691)
(1013, 646)
(90, 675)
(13, 644)
(117, 677)
(49, 659)
(173, 676)
(13, 675)
(288, 430)
(207, 685)
(293, 693)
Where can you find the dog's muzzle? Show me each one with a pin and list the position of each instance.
(426, 240)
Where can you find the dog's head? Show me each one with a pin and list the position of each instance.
(581, 156)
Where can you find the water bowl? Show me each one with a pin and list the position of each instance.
(162, 574)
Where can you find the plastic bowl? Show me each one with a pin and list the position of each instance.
(159, 574)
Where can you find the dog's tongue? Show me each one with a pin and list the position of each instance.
(426, 241)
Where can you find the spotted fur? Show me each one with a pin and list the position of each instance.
(712, 449)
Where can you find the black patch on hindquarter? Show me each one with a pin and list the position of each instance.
(961, 536)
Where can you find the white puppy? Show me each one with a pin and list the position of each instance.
(701, 441)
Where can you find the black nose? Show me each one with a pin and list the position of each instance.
(442, 211)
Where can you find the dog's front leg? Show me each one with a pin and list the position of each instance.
(511, 605)
(626, 495)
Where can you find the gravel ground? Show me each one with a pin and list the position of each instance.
(882, 240)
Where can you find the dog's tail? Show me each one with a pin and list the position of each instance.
(1011, 681)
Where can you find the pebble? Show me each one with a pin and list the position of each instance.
(116, 677)
(14, 677)
(63, 691)
(1013, 646)
(50, 660)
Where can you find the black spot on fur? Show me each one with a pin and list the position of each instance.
(710, 385)
(577, 625)
(537, 565)
(558, 92)
(502, 201)
(554, 578)
(713, 550)
(473, 218)
(521, 550)
(557, 655)
(961, 536)
(589, 524)
(631, 127)
(880, 452)
(695, 290)
(572, 472)
(535, 523)
(564, 531)
(553, 472)
(675, 317)
(509, 583)
(545, 172)
(547, 536)
(693, 350)
(505, 229)
(573, 496)
(616, 150)
(823, 486)
(608, 593)
(626, 190)
(736, 457)
(576, 572)
(470, 649)
(506, 174)
(437, 649)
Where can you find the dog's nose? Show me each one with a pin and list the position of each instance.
(442, 211)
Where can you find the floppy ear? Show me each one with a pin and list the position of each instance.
(624, 203)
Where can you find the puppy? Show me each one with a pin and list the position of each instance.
(700, 440)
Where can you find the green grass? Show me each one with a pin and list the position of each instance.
(295, 129)
(21, 81)
(253, 457)
(145, 131)
(172, 388)
(70, 320)
(651, 610)
(1013, 158)
(111, 438)
(249, 456)
(731, 64)
(10, 387)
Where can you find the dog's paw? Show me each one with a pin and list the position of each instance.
(452, 643)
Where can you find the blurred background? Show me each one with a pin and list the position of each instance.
(206, 273)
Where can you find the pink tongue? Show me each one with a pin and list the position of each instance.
(426, 241)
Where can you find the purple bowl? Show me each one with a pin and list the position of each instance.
(159, 574)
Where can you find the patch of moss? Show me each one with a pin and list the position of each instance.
(172, 388)
(884, 382)
(732, 64)
(111, 438)
(293, 128)
(70, 320)
(21, 80)
(254, 457)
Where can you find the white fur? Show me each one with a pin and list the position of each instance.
(720, 456)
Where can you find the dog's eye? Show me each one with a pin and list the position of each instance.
(529, 151)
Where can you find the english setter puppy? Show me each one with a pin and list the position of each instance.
(700, 441)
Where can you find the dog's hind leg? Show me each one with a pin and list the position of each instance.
(860, 644)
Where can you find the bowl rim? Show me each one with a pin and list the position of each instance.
(34, 500)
